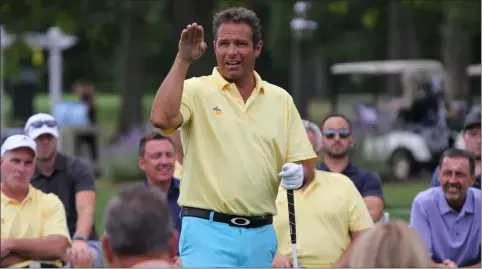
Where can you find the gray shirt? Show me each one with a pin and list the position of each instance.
(70, 176)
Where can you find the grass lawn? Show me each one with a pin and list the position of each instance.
(398, 198)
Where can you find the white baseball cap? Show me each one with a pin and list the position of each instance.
(18, 141)
(40, 124)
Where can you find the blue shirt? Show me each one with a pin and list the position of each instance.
(172, 197)
(367, 183)
(448, 234)
(436, 183)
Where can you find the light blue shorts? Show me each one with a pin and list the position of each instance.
(205, 243)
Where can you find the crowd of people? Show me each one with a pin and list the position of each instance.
(240, 149)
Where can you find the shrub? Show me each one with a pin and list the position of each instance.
(122, 157)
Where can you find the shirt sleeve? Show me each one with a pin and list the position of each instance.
(83, 175)
(55, 222)
(419, 222)
(186, 108)
(435, 181)
(372, 185)
(299, 146)
(359, 217)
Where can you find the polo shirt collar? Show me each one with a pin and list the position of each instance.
(445, 207)
(350, 168)
(175, 185)
(222, 83)
(7, 200)
(60, 165)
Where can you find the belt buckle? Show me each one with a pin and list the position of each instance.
(238, 221)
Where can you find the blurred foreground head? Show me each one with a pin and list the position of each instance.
(392, 245)
(138, 229)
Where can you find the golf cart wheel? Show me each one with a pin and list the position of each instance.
(401, 164)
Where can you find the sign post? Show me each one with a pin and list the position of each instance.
(6, 41)
(55, 41)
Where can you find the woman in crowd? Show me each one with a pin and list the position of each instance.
(389, 245)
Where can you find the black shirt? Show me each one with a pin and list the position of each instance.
(70, 176)
(367, 183)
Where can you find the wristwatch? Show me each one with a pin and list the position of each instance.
(79, 237)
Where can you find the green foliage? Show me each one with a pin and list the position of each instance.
(338, 7)
(370, 18)
(222, 4)
(123, 167)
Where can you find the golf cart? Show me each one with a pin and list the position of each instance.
(406, 147)
(472, 71)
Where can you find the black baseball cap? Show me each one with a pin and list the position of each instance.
(472, 119)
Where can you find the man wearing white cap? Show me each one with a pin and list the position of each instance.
(72, 180)
(34, 229)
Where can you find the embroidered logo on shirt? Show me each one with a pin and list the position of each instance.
(218, 111)
(3, 221)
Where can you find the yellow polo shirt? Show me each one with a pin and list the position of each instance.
(38, 216)
(233, 151)
(178, 170)
(326, 211)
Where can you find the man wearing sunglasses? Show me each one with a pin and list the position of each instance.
(336, 144)
(73, 182)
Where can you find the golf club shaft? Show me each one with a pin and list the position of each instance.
(292, 220)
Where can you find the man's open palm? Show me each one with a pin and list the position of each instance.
(191, 44)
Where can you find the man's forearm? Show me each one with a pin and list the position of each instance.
(167, 101)
(375, 207)
(308, 170)
(48, 248)
(11, 259)
(85, 222)
(343, 260)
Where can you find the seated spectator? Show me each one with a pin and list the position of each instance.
(330, 217)
(72, 180)
(389, 245)
(472, 136)
(34, 230)
(336, 145)
(448, 217)
(156, 159)
(138, 230)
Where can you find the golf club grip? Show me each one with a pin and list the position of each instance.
(291, 214)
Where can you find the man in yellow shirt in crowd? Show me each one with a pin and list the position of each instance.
(330, 216)
(238, 133)
(33, 224)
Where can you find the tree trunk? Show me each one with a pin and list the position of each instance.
(456, 56)
(132, 69)
(402, 41)
(190, 11)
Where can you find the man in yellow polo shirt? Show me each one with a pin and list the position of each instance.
(238, 133)
(33, 224)
(330, 216)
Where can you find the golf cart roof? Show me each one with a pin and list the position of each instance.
(474, 70)
(386, 67)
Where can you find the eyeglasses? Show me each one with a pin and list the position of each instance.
(40, 123)
(342, 133)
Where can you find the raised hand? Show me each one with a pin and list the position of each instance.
(192, 45)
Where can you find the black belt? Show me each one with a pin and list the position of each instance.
(232, 220)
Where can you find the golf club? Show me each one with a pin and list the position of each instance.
(292, 220)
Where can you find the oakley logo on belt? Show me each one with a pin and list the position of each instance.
(240, 221)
